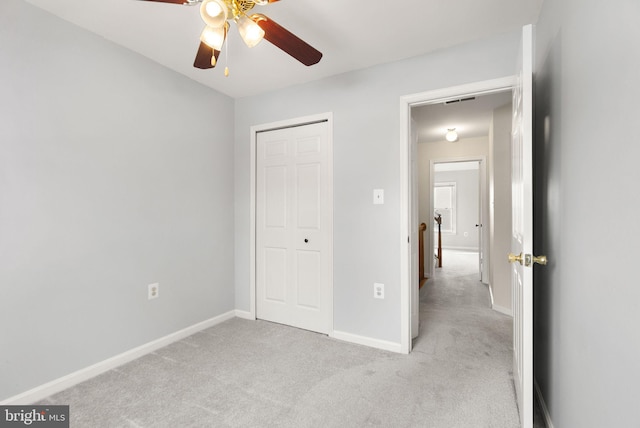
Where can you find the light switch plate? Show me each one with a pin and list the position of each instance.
(378, 196)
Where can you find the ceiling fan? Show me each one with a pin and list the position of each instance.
(217, 14)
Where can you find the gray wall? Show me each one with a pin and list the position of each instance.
(587, 309)
(500, 208)
(467, 207)
(114, 173)
(366, 112)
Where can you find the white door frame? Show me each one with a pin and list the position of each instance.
(288, 123)
(483, 195)
(406, 103)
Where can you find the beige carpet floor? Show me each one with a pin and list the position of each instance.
(259, 374)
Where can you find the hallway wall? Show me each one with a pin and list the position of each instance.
(500, 209)
(442, 150)
(467, 235)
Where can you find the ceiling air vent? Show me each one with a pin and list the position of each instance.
(460, 100)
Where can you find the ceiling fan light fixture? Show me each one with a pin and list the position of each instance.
(217, 16)
(451, 135)
(214, 37)
(214, 13)
(250, 32)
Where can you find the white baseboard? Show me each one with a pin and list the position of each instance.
(543, 405)
(490, 293)
(367, 341)
(498, 308)
(502, 310)
(244, 315)
(40, 392)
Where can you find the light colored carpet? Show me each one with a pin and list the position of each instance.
(258, 374)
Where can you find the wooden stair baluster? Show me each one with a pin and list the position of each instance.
(439, 255)
(421, 278)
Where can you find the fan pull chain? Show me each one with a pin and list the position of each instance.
(226, 59)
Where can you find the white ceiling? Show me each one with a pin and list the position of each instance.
(351, 34)
(470, 118)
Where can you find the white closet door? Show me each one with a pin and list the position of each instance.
(294, 227)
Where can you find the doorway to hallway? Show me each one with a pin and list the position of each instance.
(458, 200)
(422, 150)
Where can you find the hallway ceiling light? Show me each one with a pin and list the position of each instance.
(451, 135)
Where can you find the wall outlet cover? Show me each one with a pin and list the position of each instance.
(153, 291)
(378, 290)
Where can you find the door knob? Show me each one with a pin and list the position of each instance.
(306, 240)
(541, 260)
(513, 258)
(527, 259)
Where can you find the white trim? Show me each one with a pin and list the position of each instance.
(453, 187)
(446, 94)
(502, 310)
(40, 392)
(322, 117)
(406, 102)
(543, 405)
(406, 336)
(252, 222)
(490, 293)
(484, 192)
(498, 308)
(367, 341)
(244, 315)
(460, 249)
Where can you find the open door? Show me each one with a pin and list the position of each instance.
(521, 258)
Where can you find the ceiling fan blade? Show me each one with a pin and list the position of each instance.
(204, 55)
(287, 41)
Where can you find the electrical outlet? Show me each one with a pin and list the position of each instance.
(153, 291)
(378, 291)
